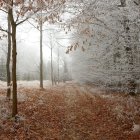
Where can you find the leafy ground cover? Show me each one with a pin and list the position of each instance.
(70, 112)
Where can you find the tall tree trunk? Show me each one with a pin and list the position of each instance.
(14, 60)
(14, 77)
(58, 64)
(52, 77)
(65, 71)
(129, 41)
(41, 54)
(8, 60)
(52, 66)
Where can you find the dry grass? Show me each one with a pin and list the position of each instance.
(71, 112)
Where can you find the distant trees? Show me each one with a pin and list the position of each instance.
(50, 12)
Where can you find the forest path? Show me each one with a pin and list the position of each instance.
(72, 112)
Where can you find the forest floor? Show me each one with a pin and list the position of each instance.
(70, 112)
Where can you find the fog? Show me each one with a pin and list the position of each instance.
(28, 49)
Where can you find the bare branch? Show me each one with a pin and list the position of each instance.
(22, 21)
(4, 30)
(3, 11)
(33, 25)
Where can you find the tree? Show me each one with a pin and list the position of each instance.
(58, 63)
(52, 76)
(8, 54)
(109, 38)
(131, 43)
(8, 59)
(23, 11)
(2, 68)
(41, 52)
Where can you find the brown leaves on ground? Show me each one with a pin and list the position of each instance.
(72, 112)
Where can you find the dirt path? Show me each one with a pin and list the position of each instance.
(72, 112)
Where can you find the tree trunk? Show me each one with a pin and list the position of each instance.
(14, 60)
(52, 65)
(129, 41)
(123, 3)
(130, 59)
(14, 77)
(58, 65)
(8, 60)
(41, 55)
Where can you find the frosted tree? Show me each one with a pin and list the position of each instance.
(108, 33)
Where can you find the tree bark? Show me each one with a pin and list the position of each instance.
(123, 3)
(8, 60)
(52, 66)
(41, 55)
(14, 77)
(58, 65)
(52, 77)
(129, 41)
(14, 60)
